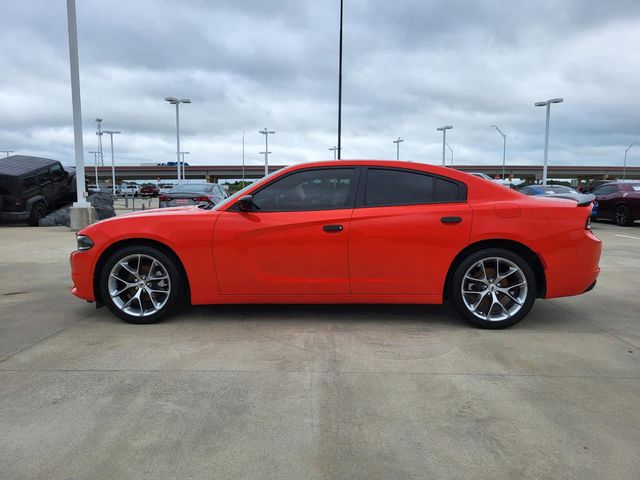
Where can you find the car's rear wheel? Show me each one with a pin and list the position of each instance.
(493, 288)
(38, 211)
(623, 216)
(140, 284)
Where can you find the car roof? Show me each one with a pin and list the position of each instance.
(20, 164)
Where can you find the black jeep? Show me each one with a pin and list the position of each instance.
(30, 187)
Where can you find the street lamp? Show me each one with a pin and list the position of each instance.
(177, 101)
(444, 138)
(504, 148)
(184, 176)
(111, 133)
(7, 151)
(624, 168)
(334, 149)
(450, 150)
(398, 142)
(547, 104)
(242, 158)
(95, 164)
(266, 152)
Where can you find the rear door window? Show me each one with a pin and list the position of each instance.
(44, 178)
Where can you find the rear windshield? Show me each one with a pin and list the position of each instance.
(191, 188)
(558, 190)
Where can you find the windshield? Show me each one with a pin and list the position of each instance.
(191, 188)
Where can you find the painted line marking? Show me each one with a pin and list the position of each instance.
(627, 236)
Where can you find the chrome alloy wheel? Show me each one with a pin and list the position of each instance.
(139, 285)
(494, 289)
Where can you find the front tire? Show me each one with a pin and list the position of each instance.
(623, 216)
(141, 284)
(493, 288)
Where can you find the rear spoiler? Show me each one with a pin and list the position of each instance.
(582, 199)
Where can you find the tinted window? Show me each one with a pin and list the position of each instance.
(28, 182)
(57, 171)
(191, 188)
(447, 191)
(44, 177)
(606, 190)
(323, 189)
(396, 187)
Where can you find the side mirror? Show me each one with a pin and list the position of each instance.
(245, 203)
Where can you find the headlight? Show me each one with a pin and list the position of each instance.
(84, 242)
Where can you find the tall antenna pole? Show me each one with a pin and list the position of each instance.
(340, 90)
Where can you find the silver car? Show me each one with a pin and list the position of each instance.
(193, 194)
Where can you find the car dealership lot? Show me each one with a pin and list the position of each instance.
(315, 391)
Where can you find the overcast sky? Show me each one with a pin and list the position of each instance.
(409, 66)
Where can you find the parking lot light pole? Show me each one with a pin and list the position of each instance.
(99, 135)
(7, 152)
(334, 149)
(504, 149)
(177, 101)
(398, 142)
(266, 152)
(547, 104)
(111, 133)
(184, 176)
(242, 158)
(95, 164)
(451, 151)
(444, 139)
(624, 168)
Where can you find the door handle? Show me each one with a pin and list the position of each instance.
(333, 228)
(450, 220)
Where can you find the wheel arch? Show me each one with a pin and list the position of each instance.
(130, 242)
(521, 249)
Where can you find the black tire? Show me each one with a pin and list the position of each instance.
(623, 216)
(38, 211)
(176, 283)
(455, 288)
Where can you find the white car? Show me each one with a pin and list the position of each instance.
(165, 187)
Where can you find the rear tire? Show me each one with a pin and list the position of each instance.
(38, 211)
(493, 288)
(623, 216)
(141, 284)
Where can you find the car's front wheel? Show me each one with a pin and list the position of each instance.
(140, 284)
(493, 288)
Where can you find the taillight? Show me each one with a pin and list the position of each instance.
(587, 225)
(19, 201)
(164, 198)
(201, 199)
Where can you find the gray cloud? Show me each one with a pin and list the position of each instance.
(410, 66)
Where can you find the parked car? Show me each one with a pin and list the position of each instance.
(546, 190)
(619, 201)
(129, 189)
(345, 232)
(165, 187)
(92, 188)
(193, 194)
(30, 187)
(149, 190)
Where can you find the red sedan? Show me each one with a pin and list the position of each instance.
(345, 232)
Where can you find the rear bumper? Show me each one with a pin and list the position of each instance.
(10, 216)
(574, 269)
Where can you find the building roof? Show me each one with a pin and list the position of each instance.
(20, 164)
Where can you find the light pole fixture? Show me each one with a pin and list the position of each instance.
(547, 103)
(451, 151)
(398, 142)
(111, 133)
(95, 164)
(624, 168)
(340, 87)
(99, 135)
(334, 149)
(177, 101)
(504, 148)
(444, 138)
(242, 158)
(184, 176)
(7, 152)
(266, 152)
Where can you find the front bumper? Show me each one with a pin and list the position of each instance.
(82, 274)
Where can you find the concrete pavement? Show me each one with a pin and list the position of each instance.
(314, 391)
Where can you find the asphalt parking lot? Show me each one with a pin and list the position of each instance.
(307, 392)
